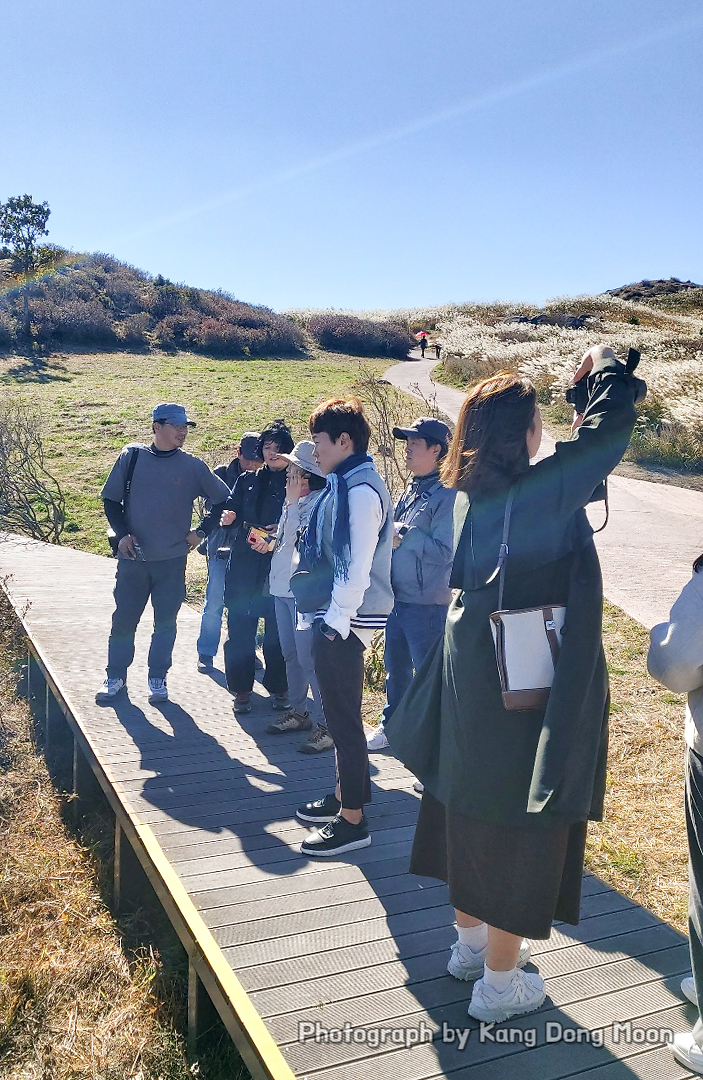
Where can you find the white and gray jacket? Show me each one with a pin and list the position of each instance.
(676, 656)
(285, 558)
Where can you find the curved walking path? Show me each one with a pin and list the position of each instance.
(654, 533)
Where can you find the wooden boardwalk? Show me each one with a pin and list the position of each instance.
(326, 969)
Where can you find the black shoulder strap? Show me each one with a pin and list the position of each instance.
(134, 454)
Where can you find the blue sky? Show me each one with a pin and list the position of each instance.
(364, 153)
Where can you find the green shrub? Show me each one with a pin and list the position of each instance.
(359, 337)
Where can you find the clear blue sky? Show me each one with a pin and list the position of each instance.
(364, 153)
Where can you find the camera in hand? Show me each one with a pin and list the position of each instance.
(579, 394)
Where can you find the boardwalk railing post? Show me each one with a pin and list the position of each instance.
(58, 744)
(86, 789)
(35, 684)
(131, 886)
(202, 1014)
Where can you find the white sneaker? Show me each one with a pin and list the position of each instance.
(467, 965)
(109, 690)
(688, 1052)
(377, 739)
(688, 989)
(525, 994)
(158, 691)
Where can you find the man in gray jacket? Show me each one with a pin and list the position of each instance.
(148, 499)
(421, 563)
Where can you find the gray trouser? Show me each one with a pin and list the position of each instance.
(136, 582)
(694, 828)
(296, 646)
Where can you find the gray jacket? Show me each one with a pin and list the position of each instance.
(676, 656)
(285, 559)
(422, 563)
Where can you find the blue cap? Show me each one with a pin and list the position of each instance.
(425, 427)
(169, 413)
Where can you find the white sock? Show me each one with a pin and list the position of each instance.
(476, 937)
(498, 980)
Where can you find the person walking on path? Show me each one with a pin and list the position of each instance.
(676, 660)
(247, 459)
(255, 506)
(304, 482)
(346, 553)
(148, 499)
(422, 560)
(508, 794)
(423, 345)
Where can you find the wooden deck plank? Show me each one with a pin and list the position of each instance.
(358, 940)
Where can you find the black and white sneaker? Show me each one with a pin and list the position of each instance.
(336, 837)
(319, 812)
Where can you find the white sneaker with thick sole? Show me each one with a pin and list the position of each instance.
(467, 965)
(688, 989)
(525, 994)
(158, 691)
(377, 739)
(109, 690)
(688, 1052)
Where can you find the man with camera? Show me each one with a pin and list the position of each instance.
(148, 500)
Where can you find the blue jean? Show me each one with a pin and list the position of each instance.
(136, 581)
(411, 631)
(211, 622)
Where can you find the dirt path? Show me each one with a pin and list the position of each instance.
(654, 533)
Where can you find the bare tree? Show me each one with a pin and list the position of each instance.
(388, 407)
(31, 500)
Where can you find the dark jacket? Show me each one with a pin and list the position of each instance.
(451, 729)
(257, 499)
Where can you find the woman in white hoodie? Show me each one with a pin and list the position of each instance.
(676, 660)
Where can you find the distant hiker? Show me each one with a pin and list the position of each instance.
(346, 553)
(423, 345)
(151, 512)
(247, 459)
(437, 349)
(304, 482)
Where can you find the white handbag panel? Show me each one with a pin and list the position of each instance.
(528, 657)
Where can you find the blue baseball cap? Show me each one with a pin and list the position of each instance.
(425, 427)
(169, 413)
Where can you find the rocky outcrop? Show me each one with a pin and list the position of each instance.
(646, 290)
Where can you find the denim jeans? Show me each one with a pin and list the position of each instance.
(211, 622)
(296, 646)
(411, 631)
(165, 582)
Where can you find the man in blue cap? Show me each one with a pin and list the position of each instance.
(421, 563)
(148, 499)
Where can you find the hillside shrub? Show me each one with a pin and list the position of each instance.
(98, 300)
(359, 337)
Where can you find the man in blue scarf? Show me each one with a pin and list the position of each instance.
(347, 545)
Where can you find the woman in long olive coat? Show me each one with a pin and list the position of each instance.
(507, 794)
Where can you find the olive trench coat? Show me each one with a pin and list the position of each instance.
(544, 767)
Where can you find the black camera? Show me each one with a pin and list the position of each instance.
(223, 553)
(579, 394)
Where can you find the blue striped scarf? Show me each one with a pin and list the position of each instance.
(338, 492)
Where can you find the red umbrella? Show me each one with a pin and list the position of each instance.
(421, 334)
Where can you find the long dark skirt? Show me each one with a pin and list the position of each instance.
(518, 878)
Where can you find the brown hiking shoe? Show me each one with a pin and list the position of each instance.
(290, 721)
(242, 703)
(319, 740)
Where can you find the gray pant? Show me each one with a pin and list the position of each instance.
(694, 828)
(165, 582)
(296, 646)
